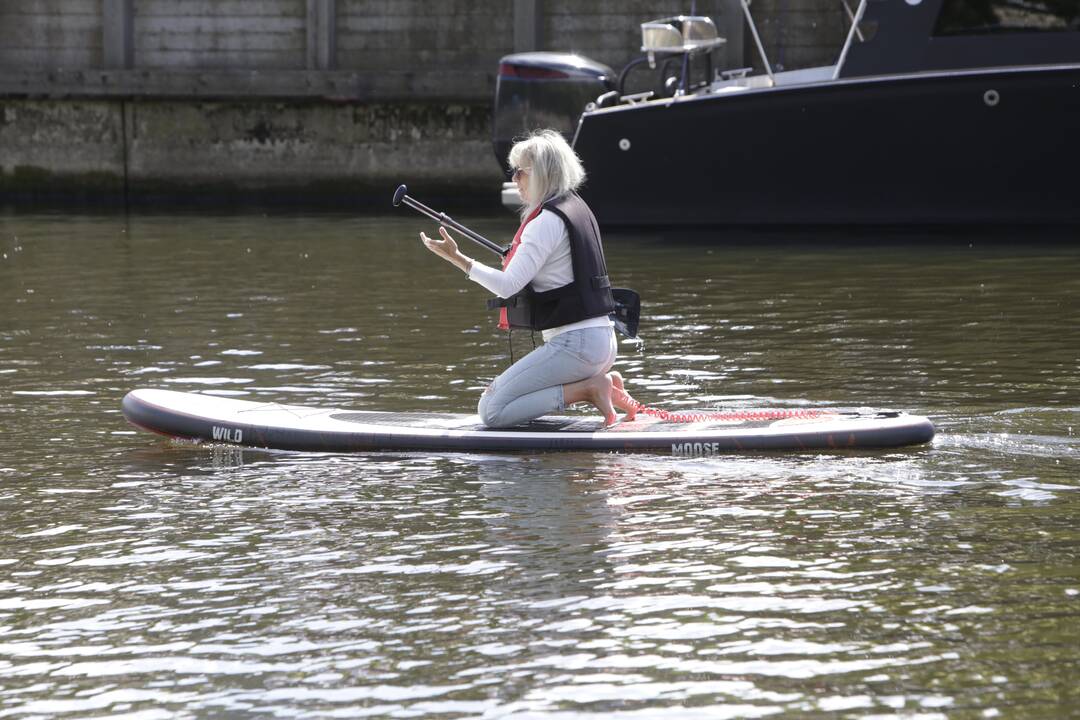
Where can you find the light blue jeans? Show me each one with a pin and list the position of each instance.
(532, 386)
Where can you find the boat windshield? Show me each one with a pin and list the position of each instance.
(983, 17)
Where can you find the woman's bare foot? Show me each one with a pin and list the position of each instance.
(596, 390)
(620, 398)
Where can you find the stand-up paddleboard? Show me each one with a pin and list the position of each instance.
(192, 416)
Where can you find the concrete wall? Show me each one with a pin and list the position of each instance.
(50, 33)
(421, 35)
(237, 34)
(327, 96)
(400, 38)
(216, 149)
(801, 33)
(46, 145)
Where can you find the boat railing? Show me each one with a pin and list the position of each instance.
(734, 73)
(635, 98)
(757, 39)
(852, 33)
(851, 19)
(692, 35)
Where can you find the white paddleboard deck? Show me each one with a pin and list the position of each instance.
(193, 416)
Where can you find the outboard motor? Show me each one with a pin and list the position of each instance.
(543, 90)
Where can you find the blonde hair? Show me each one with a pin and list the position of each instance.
(555, 167)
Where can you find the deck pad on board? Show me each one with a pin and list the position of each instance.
(560, 423)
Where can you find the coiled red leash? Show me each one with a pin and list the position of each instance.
(730, 415)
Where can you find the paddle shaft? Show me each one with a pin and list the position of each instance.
(444, 219)
(627, 302)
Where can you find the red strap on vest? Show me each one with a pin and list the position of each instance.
(504, 323)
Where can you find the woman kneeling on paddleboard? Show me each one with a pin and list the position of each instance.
(555, 265)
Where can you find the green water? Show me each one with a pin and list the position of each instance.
(144, 579)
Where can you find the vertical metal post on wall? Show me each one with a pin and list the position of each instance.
(526, 25)
(321, 34)
(118, 34)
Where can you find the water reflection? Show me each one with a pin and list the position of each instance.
(143, 578)
(458, 584)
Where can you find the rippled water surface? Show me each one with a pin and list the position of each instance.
(145, 579)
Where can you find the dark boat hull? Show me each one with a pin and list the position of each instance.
(963, 147)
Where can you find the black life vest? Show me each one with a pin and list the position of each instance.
(587, 296)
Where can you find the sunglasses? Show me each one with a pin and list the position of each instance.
(518, 173)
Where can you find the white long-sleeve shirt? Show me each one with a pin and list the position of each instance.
(544, 259)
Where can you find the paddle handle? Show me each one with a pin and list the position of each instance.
(401, 196)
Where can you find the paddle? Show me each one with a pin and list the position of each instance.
(401, 196)
(627, 303)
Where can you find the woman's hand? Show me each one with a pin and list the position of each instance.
(445, 247)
